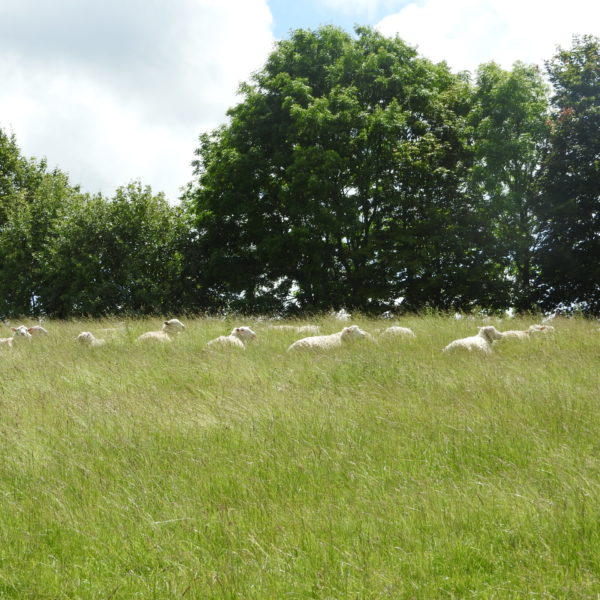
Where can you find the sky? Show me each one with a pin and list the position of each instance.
(120, 90)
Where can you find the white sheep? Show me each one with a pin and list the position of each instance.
(516, 333)
(87, 338)
(343, 315)
(481, 342)
(541, 329)
(396, 331)
(21, 332)
(37, 330)
(164, 334)
(156, 336)
(238, 338)
(334, 340)
(173, 325)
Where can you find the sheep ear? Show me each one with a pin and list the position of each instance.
(30, 329)
(14, 328)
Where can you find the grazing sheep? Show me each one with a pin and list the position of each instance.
(173, 325)
(297, 328)
(327, 342)
(238, 338)
(37, 330)
(87, 338)
(481, 342)
(164, 334)
(541, 329)
(516, 333)
(156, 336)
(395, 331)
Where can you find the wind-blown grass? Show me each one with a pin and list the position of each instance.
(387, 470)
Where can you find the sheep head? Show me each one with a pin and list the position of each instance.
(490, 333)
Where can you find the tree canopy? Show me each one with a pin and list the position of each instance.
(353, 172)
(569, 200)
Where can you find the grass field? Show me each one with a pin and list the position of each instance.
(387, 470)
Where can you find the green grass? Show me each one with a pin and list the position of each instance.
(377, 471)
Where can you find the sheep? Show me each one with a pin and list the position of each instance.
(164, 334)
(482, 341)
(541, 329)
(343, 315)
(315, 329)
(87, 338)
(19, 332)
(334, 340)
(396, 331)
(238, 338)
(37, 330)
(517, 334)
(173, 325)
(157, 336)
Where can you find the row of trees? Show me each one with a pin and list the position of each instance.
(352, 173)
(64, 253)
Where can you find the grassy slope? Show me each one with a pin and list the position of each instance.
(378, 471)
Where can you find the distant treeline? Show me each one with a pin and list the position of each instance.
(353, 173)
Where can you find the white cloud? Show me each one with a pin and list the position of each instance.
(361, 7)
(113, 91)
(466, 33)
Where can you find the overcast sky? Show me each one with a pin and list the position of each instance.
(119, 90)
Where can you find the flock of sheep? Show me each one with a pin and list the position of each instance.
(240, 336)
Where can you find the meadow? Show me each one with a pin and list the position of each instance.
(388, 470)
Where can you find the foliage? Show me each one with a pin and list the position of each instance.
(341, 175)
(353, 173)
(569, 203)
(32, 202)
(65, 253)
(509, 120)
(120, 255)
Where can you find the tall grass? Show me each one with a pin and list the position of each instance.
(387, 470)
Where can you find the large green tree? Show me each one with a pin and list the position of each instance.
(340, 179)
(569, 206)
(509, 119)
